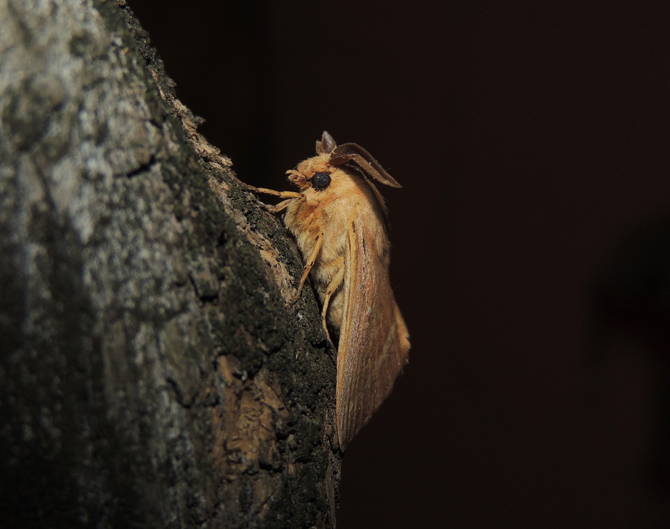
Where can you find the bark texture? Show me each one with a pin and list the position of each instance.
(152, 372)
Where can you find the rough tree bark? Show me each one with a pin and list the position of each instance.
(152, 372)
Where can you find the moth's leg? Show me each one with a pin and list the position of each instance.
(280, 194)
(289, 196)
(309, 264)
(332, 288)
(279, 207)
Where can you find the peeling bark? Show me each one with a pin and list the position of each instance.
(152, 371)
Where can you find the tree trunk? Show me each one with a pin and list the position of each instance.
(152, 371)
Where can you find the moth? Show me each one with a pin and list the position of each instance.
(339, 220)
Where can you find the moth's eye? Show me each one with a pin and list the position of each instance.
(320, 181)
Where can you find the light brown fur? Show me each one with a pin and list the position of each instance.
(327, 214)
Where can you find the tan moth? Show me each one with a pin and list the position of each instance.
(339, 221)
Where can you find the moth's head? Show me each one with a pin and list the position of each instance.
(315, 173)
(318, 172)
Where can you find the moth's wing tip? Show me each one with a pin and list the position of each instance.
(345, 433)
(343, 442)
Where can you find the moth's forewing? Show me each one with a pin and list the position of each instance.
(374, 342)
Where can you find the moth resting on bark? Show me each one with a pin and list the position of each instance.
(340, 223)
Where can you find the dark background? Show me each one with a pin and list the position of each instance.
(531, 138)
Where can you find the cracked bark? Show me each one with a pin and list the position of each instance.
(152, 373)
